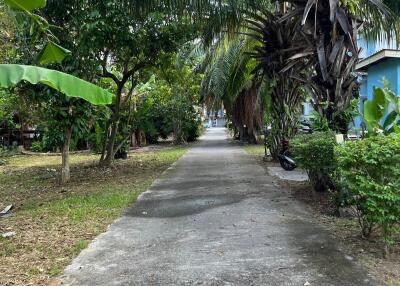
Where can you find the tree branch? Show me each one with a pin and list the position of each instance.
(128, 74)
(106, 73)
(131, 90)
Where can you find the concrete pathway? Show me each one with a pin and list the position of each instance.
(214, 218)
(296, 175)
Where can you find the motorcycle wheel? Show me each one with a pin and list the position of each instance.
(286, 165)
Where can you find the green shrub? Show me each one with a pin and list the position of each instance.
(37, 146)
(95, 138)
(315, 154)
(370, 171)
(193, 130)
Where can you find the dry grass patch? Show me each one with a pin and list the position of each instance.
(53, 223)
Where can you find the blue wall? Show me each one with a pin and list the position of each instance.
(370, 47)
(388, 69)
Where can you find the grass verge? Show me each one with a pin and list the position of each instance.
(254, 150)
(53, 223)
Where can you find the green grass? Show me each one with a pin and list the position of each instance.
(54, 223)
(255, 150)
(8, 247)
(79, 246)
(54, 270)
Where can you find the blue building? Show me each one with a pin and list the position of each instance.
(378, 59)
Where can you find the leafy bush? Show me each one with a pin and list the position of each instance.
(95, 138)
(319, 123)
(193, 130)
(340, 121)
(37, 146)
(163, 113)
(370, 171)
(315, 154)
(51, 136)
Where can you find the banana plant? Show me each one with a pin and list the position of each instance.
(51, 52)
(71, 86)
(382, 113)
(67, 84)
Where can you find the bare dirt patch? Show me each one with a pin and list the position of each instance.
(369, 252)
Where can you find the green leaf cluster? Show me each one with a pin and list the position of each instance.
(315, 154)
(370, 171)
(8, 103)
(382, 112)
(169, 106)
(39, 28)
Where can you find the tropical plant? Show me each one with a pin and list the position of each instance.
(10, 75)
(229, 80)
(341, 119)
(320, 41)
(170, 105)
(71, 86)
(382, 113)
(50, 53)
(281, 41)
(121, 45)
(331, 28)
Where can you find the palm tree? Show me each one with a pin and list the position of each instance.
(332, 33)
(303, 43)
(228, 78)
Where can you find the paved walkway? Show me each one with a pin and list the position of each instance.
(214, 218)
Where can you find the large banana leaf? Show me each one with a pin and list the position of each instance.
(382, 112)
(67, 84)
(26, 5)
(374, 109)
(52, 53)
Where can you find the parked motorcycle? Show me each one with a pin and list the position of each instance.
(285, 159)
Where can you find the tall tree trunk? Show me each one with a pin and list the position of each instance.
(105, 140)
(110, 144)
(106, 160)
(285, 106)
(65, 171)
(22, 129)
(248, 115)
